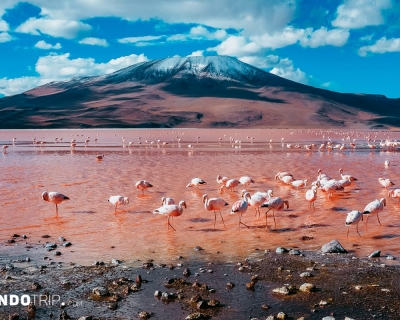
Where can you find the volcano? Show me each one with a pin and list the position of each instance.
(193, 92)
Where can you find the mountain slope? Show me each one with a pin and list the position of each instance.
(216, 91)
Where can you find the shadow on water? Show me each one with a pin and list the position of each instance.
(283, 230)
(386, 236)
(199, 220)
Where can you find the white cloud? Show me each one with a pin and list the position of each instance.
(324, 37)
(383, 45)
(3, 25)
(46, 46)
(5, 37)
(56, 67)
(291, 73)
(94, 42)
(57, 28)
(197, 53)
(201, 32)
(139, 39)
(355, 14)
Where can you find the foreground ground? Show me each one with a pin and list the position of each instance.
(345, 286)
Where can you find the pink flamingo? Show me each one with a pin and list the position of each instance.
(214, 204)
(54, 197)
(171, 210)
(118, 200)
(274, 204)
(143, 185)
(240, 207)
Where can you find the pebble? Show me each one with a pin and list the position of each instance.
(61, 239)
(328, 318)
(67, 244)
(201, 305)
(270, 318)
(281, 250)
(294, 252)
(358, 287)
(305, 275)
(230, 285)
(375, 254)
(157, 293)
(116, 261)
(385, 290)
(283, 290)
(198, 248)
(264, 306)
(333, 247)
(281, 316)
(389, 257)
(113, 306)
(100, 291)
(307, 287)
(144, 315)
(85, 318)
(197, 316)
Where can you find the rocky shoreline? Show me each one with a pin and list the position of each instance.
(270, 284)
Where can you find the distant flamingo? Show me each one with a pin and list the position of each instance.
(171, 210)
(54, 197)
(4, 148)
(385, 182)
(230, 184)
(195, 182)
(374, 207)
(100, 157)
(395, 193)
(311, 196)
(240, 207)
(118, 200)
(274, 204)
(167, 201)
(346, 176)
(387, 162)
(222, 180)
(215, 204)
(299, 183)
(246, 180)
(353, 217)
(143, 185)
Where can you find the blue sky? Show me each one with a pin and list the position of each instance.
(340, 45)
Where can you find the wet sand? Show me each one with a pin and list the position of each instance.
(96, 233)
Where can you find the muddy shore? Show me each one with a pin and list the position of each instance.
(343, 286)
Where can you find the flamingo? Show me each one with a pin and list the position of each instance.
(4, 148)
(222, 180)
(287, 179)
(214, 204)
(299, 183)
(171, 210)
(311, 196)
(100, 157)
(246, 180)
(346, 176)
(230, 184)
(353, 217)
(167, 201)
(374, 207)
(387, 162)
(385, 182)
(330, 186)
(118, 200)
(280, 175)
(143, 185)
(258, 198)
(240, 207)
(274, 204)
(54, 197)
(395, 193)
(196, 182)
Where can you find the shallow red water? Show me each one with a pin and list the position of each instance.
(88, 221)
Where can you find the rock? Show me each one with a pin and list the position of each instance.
(36, 286)
(147, 265)
(113, 306)
(347, 318)
(265, 306)
(157, 293)
(58, 253)
(213, 303)
(375, 254)
(64, 315)
(307, 287)
(100, 291)
(197, 316)
(281, 316)
(61, 239)
(13, 316)
(323, 303)
(281, 250)
(201, 305)
(196, 298)
(283, 290)
(389, 257)
(250, 285)
(28, 259)
(271, 318)
(138, 280)
(230, 285)
(198, 248)
(116, 261)
(24, 236)
(144, 315)
(11, 241)
(50, 246)
(358, 287)
(67, 244)
(328, 318)
(305, 275)
(294, 252)
(333, 247)
(186, 272)
(85, 318)
(46, 236)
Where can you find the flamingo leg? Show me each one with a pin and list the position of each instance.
(313, 205)
(273, 214)
(240, 222)
(348, 229)
(215, 218)
(170, 225)
(366, 222)
(222, 218)
(266, 217)
(357, 231)
(56, 209)
(378, 219)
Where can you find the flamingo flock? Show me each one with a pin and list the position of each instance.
(259, 199)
